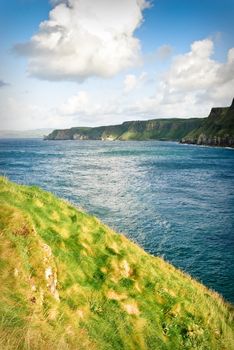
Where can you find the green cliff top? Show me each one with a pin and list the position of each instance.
(67, 281)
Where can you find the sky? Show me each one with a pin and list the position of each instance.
(68, 63)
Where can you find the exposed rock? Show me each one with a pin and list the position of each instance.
(216, 130)
(50, 273)
(131, 308)
(80, 313)
(111, 294)
(125, 268)
(80, 137)
(51, 279)
(16, 272)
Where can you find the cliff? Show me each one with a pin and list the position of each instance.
(216, 130)
(156, 129)
(67, 281)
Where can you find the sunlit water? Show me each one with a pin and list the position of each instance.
(176, 201)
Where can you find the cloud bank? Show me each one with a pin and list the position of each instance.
(192, 85)
(84, 38)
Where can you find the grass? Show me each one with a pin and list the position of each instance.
(67, 281)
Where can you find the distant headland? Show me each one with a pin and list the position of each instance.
(215, 130)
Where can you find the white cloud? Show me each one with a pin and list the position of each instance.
(193, 70)
(84, 106)
(131, 81)
(182, 91)
(161, 54)
(84, 38)
(75, 104)
(192, 85)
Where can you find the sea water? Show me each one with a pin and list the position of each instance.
(176, 201)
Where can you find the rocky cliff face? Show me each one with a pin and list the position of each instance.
(205, 140)
(216, 130)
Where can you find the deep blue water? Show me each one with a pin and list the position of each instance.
(176, 201)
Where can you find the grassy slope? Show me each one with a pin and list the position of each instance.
(69, 282)
(161, 129)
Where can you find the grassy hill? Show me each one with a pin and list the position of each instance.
(67, 281)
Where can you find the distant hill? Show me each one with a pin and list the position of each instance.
(215, 130)
(155, 129)
(24, 134)
(67, 281)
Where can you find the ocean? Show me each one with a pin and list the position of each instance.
(175, 201)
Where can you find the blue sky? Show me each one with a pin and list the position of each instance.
(107, 62)
(180, 22)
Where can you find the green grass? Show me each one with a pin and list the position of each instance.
(67, 281)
